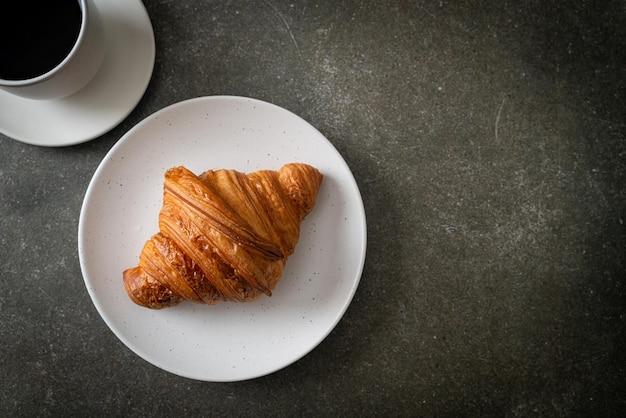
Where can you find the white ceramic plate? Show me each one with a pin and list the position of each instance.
(228, 341)
(113, 93)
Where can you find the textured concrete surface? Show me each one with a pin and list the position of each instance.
(489, 143)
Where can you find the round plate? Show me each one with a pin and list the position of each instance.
(227, 341)
(107, 99)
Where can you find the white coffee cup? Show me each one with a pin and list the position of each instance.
(76, 67)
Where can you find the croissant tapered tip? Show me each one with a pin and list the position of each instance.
(302, 183)
(148, 292)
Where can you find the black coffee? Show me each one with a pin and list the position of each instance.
(35, 36)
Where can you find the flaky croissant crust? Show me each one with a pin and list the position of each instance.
(223, 235)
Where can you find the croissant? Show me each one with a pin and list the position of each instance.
(223, 235)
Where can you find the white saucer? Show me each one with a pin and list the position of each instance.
(106, 100)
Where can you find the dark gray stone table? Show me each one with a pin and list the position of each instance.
(489, 144)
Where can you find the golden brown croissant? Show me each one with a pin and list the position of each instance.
(224, 235)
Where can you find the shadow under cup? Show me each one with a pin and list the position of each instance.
(49, 49)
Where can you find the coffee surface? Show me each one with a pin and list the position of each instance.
(36, 36)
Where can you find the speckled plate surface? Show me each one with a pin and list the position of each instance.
(228, 341)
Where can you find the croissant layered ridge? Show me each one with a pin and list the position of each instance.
(223, 235)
